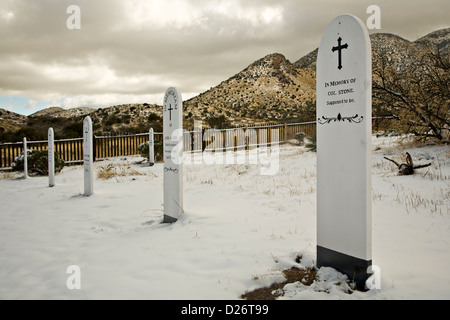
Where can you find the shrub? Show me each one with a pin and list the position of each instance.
(144, 150)
(153, 117)
(300, 137)
(37, 161)
(29, 133)
(312, 143)
(219, 122)
(112, 120)
(73, 130)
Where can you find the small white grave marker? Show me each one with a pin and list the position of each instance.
(151, 147)
(173, 155)
(344, 133)
(88, 157)
(25, 159)
(51, 158)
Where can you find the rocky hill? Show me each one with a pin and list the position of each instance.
(269, 89)
(274, 89)
(127, 118)
(57, 112)
(439, 38)
(68, 123)
(11, 121)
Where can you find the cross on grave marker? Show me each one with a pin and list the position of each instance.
(339, 50)
(170, 112)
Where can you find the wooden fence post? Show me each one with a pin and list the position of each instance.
(285, 136)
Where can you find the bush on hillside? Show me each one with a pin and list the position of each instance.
(144, 150)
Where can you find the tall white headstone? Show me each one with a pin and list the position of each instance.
(151, 147)
(344, 132)
(25, 159)
(88, 157)
(51, 158)
(173, 155)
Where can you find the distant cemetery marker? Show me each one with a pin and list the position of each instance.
(173, 155)
(151, 147)
(88, 157)
(344, 132)
(25, 159)
(51, 158)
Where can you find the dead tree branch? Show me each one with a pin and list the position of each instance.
(407, 168)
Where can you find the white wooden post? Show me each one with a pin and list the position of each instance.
(151, 147)
(51, 158)
(344, 133)
(25, 159)
(173, 155)
(88, 157)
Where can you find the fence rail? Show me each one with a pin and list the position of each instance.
(247, 137)
(116, 146)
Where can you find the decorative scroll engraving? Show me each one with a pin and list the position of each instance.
(355, 119)
(174, 170)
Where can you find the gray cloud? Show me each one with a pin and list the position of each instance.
(136, 49)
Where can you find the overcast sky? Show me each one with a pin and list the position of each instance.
(131, 51)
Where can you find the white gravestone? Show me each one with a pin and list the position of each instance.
(25, 159)
(173, 155)
(151, 147)
(88, 157)
(344, 132)
(51, 158)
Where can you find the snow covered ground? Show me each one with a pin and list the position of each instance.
(240, 229)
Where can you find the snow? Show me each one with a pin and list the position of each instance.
(239, 230)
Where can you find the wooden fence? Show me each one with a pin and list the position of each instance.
(116, 146)
(71, 150)
(247, 137)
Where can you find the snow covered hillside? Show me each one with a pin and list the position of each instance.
(238, 232)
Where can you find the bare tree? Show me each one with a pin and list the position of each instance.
(419, 97)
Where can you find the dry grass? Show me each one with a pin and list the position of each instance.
(119, 170)
(10, 175)
(418, 203)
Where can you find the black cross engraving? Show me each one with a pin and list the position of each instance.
(339, 49)
(170, 112)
